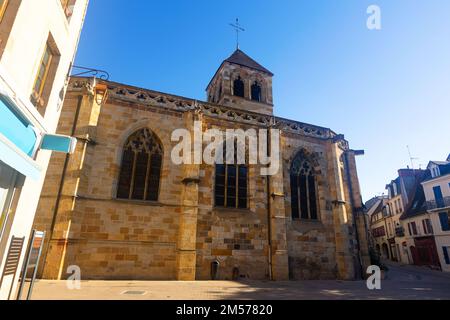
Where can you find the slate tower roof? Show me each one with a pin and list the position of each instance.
(240, 58)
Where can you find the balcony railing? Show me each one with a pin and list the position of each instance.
(438, 204)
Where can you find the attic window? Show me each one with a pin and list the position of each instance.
(256, 92)
(238, 87)
(436, 172)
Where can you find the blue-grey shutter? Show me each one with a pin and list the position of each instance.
(443, 216)
(446, 255)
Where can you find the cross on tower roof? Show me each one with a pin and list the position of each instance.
(238, 29)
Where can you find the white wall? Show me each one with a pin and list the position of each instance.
(20, 63)
(442, 238)
(442, 181)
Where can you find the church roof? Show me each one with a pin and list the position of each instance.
(240, 58)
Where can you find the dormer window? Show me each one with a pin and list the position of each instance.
(436, 172)
(256, 91)
(238, 87)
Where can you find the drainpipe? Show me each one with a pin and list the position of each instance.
(269, 218)
(63, 178)
(355, 225)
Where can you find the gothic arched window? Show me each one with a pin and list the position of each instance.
(256, 91)
(231, 184)
(141, 167)
(238, 87)
(303, 189)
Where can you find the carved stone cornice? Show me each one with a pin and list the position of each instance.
(150, 98)
(82, 85)
(145, 97)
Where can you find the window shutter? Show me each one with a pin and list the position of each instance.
(446, 255)
(443, 216)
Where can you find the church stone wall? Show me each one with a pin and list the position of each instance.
(236, 238)
(105, 237)
(180, 235)
(311, 244)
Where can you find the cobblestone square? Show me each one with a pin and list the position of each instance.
(403, 282)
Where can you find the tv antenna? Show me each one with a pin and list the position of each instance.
(411, 158)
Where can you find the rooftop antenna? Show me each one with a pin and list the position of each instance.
(238, 29)
(411, 158)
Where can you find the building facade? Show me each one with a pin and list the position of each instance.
(412, 224)
(419, 242)
(387, 227)
(122, 209)
(378, 231)
(38, 40)
(437, 196)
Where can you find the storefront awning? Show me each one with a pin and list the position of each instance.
(16, 159)
(17, 140)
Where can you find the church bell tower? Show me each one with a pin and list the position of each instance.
(241, 82)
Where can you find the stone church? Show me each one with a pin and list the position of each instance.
(119, 208)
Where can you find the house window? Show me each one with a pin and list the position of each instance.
(8, 13)
(3, 5)
(140, 171)
(43, 71)
(231, 185)
(238, 87)
(412, 228)
(436, 172)
(445, 221)
(256, 92)
(427, 227)
(44, 79)
(438, 197)
(303, 189)
(446, 254)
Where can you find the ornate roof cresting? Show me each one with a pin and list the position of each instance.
(158, 99)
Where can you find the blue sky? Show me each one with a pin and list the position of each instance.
(383, 89)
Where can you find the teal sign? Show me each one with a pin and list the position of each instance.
(58, 143)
